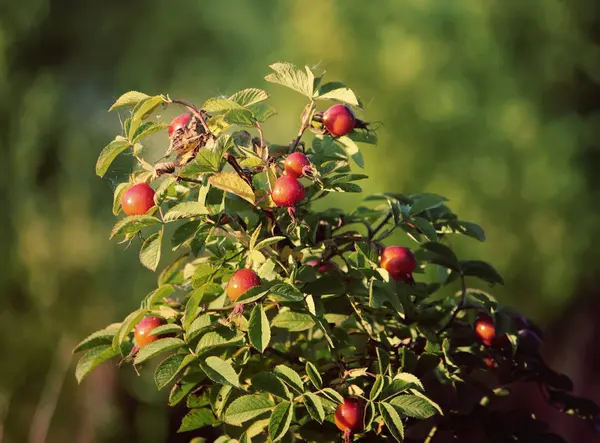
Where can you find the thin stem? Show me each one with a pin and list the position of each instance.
(459, 307)
(306, 115)
(194, 111)
(186, 179)
(373, 232)
(238, 169)
(261, 134)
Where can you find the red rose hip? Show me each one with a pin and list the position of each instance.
(179, 122)
(349, 415)
(339, 120)
(287, 191)
(485, 329)
(398, 261)
(322, 268)
(295, 163)
(240, 282)
(144, 328)
(138, 199)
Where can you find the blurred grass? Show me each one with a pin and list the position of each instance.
(488, 103)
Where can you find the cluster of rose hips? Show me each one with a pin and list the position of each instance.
(338, 120)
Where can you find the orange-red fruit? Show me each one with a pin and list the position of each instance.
(287, 191)
(398, 261)
(339, 120)
(179, 122)
(138, 199)
(490, 362)
(144, 328)
(240, 282)
(485, 329)
(322, 268)
(349, 415)
(295, 163)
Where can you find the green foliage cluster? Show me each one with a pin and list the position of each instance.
(277, 362)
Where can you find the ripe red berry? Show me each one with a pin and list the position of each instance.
(322, 268)
(287, 191)
(485, 329)
(144, 328)
(294, 164)
(179, 122)
(138, 199)
(398, 261)
(240, 282)
(339, 120)
(349, 415)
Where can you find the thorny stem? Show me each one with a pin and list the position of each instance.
(459, 307)
(194, 111)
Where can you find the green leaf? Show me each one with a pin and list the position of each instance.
(167, 370)
(314, 406)
(129, 99)
(142, 111)
(446, 257)
(168, 329)
(220, 371)
(92, 359)
(246, 408)
(198, 325)
(286, 292)
(128, 324)
(268, 242)
(133, 224)
(220, 104)
(240, 117)
(259, 330)
(471, 229)
(280, 421)
(293, 321)
(185, 210)
(157, 347)
(289, 376)
(425, 202)
(252, 294)
(426, 228)
(332, 395)
(118, 195)
(150, 251)
(158, 295)
(413, 406)
(146, 129)
(482, 270)
(231, 182)
(313, 375)
(392, 420)
(173, 272)
(337, 91)
(262, 112)
(184, 386)
(352, 150)
(196, 419)
(250, 96)
(98, 338)
(286, 74)
(269, 382)
(376, 388)
(401, 383)
(222, 336)
(109, 153)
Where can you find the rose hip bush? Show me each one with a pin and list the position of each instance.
(278, 321)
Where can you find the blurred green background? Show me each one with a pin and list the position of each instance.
(493, 104)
